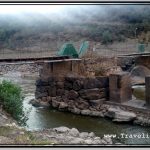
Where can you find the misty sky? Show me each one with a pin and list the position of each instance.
(15, 9)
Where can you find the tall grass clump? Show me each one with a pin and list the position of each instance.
(11, 99)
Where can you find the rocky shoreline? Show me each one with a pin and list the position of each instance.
(13, 134)
(115, 113)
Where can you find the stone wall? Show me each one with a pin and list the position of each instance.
(74, 94)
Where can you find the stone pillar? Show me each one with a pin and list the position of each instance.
(147, 91)
(120, 89)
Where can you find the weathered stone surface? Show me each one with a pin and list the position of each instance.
(44, 99)
(85, 112)
(40, 95)
(74, 132)
(91, 83)
(96, 114)
(96, 102)
(91, 134)
(49, 98)
(88, 141)
(77, 141)
(84, 135)
(42, 89)
(52, 91)
(68, 86)
(44, 104)
(124, 116)
(82, 104)
(78, 85)
(35, 102)
(70, 79)
(119, 115)
(63, 106)
(104, 82)
(75, 110)
(59, 99)
(140, 71)
(55, 103)
(147, 91)
(41, 82)
(73, 95)
(107, 139)
(142, 120)
(51, 79)
(120, 87)
(60, 92)
(60, 85)
(92, 94)
(61, 129)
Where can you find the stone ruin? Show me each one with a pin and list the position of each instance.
(63, 84)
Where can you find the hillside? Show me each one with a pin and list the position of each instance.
(102, 24)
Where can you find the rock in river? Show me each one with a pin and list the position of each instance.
(119, 115)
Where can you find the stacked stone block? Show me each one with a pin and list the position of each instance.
(73, 93)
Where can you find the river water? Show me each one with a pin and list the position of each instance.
(40, 118)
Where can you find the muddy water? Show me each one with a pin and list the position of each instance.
(139, 92)
(40, 118)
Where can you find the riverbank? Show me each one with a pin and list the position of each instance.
(116, 113)
(12, 134)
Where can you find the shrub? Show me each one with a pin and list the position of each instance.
(12, 100)
(106, 38)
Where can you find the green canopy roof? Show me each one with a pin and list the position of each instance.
(68, 50)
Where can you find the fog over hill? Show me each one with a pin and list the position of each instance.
(71, 22)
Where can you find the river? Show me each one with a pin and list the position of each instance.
(39, 118)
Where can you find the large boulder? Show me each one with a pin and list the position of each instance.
(92, 94)
(119, 115)
(82, 104)
(61, 129)
(86, 112)
(63, 106)
(74, 132)
(78, 85)
(55, 103)
(73, 95)
(97, 102)
(75, 110)
(96, 114)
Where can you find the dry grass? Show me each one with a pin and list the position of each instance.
(17, 136)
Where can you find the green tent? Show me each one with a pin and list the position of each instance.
(68, 50)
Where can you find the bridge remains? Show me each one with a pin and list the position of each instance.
(65, 85)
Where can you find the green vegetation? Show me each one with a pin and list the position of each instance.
(12, 100)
